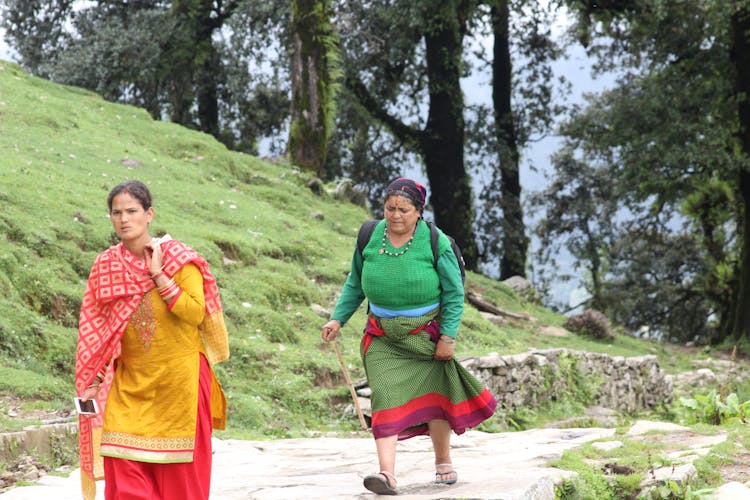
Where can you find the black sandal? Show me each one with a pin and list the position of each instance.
(439, 475)
(376, 483)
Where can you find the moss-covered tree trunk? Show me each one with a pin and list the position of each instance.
(515, 241)
(741, 59)
(311, 84)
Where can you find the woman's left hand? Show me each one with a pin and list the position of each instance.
(444, 348)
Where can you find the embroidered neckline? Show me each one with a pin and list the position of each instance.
(144, 322)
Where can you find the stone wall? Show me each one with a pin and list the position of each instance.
(537, 377)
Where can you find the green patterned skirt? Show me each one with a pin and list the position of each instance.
(410, 387)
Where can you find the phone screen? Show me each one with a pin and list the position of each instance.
(86, 407)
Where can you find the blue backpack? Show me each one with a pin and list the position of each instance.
(365, 233)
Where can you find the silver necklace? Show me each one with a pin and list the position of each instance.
(395, 254)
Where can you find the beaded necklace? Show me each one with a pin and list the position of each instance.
(395, 254)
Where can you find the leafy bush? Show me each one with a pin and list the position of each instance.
(591, 323)
(710, 409)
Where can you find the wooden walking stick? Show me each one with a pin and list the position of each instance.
(351, 386)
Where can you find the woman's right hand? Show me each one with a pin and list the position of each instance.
(330, 329)
(90, 392)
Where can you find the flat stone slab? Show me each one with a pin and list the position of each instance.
(508, 466)
(642, 427)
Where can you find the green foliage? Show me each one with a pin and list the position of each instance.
(710, 409)
(655, 161)
(672, 490)
(587, 483)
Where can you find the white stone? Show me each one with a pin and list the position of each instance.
(678, 473)
(645, 426)
(732, 491)
(607, 445)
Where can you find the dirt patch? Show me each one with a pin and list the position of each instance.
(22, 413)
(738, 471)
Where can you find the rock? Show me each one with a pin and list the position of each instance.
(320, 310)
(553, 331)
(732, 491)
(493, 318)
(316, 186)
(643, 426)
(680, 474)
(332, 468)
(703, 377)
(622, 470)
(520, 285)
(131, 163)
(347, 191)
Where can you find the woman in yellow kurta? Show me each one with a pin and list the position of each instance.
(151, 321)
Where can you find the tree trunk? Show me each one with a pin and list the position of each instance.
(308, 133)
(443, 141)
(515, 242)
(207, 93)
(741, 57)
(193, 71)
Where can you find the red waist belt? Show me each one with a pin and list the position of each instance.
(373, 329)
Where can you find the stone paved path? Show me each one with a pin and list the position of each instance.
(507, 466)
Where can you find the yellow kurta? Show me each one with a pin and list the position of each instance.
(151, 410)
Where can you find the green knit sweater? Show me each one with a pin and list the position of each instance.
(407, 281)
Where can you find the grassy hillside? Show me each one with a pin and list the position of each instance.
(274, 245)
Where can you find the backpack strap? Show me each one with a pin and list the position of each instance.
(365, 233)
(434, 237)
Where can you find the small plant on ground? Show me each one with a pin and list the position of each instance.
(672, 490)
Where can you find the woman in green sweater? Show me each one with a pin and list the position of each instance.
(415, 304)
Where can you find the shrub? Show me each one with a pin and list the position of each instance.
(591, 323)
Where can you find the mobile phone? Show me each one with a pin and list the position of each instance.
(88, 407)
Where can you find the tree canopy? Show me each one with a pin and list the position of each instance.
(649, 190)
(662, 240)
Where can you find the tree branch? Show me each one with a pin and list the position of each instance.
(485, 306)
(403, 132)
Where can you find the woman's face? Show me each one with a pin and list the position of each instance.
(129, 219)
(401, 215)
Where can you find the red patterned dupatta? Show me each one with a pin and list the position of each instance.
(117, 283)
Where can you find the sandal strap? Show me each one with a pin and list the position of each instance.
(390, 479)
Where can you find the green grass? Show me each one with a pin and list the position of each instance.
(644, 457)
(274, 246)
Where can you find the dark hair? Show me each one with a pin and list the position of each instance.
(136, 189)
(409, 189)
